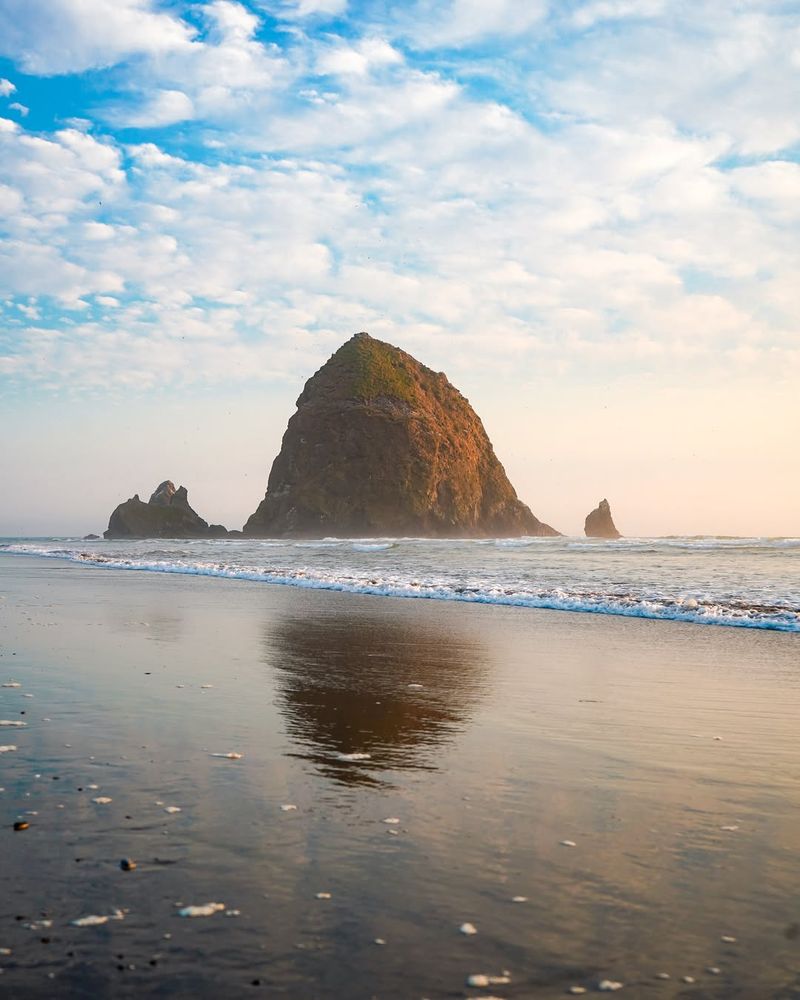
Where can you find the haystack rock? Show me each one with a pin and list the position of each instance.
(382, 445)
(600, 524)
(167, 514)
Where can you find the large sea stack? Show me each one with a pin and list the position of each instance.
(382, 445)
(166, 514)
(600, 524)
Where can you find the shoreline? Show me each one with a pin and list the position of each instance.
(783, 620)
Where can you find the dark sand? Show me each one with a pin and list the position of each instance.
(638, 740)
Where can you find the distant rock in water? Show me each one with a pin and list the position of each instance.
(382, 445)
(91, 538)
(166, 515)
(600, 524)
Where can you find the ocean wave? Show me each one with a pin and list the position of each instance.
(738, 611)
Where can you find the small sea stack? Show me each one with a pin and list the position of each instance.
(600, 524)
(382, 445)
(166, 514)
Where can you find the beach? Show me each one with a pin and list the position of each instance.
(601, 797)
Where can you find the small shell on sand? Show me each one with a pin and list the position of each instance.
(519, 899)
(609, 986)
(203, 910)
(96, 919)
(11, 684)
(468, 929)
(379, 941)
(229, 756)
(730, 828)
(712, 970)
(288, 807)
(323, 895)
(688, 979)
(8, 748)
(663, 975)
(391, 820)
(414, 687)
(102, 800)
(12, 724)
(568, 843)
(577, 991)
(205, 687)
(728, 939)
(353, 756)
(92, 920)
(172, 809)
(481, 979)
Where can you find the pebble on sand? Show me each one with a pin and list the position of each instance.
(11, 684)
(127, 864)
(202, 910)
(730, 829)
(229, 756)
(712, 970)
(568, 843)
(288, 807)
(379, 941)
(12, 724)
(391, 820)
(728, 939)
(414, 687)
(609, 986)
(353, 756)
(8, 749)
(323, 895)
(577, 991)
(102, 800)
(519, 899)
(468, 929)
(172, 809)
(663, 975)
(21, 825)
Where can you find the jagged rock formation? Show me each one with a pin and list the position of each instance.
(382, 445)
(600, 524)
(167, 514)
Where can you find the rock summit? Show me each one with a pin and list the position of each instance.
(600, 524)
(166, 514)
(382, 445)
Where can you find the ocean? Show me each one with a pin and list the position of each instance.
(745, 582)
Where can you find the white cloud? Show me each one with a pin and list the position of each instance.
(165, 107)
(360, 59)
(20, 108)
(298, 9)
(612, 10)
(6, 87)
(47, 37)
(433, 24)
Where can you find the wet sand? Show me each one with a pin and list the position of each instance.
(668, 754)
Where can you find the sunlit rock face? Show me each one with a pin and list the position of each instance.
(382, 445)
(600, 524)
(167, 514)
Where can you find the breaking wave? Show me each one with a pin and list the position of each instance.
(532, 573)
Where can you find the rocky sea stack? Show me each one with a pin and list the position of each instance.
(600, 524)
(382, 445)
(167, 514)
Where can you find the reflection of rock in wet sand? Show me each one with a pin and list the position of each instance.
(393, 688)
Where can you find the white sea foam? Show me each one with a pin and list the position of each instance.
(745, 582)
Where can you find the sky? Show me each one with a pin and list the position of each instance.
(587, 213)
